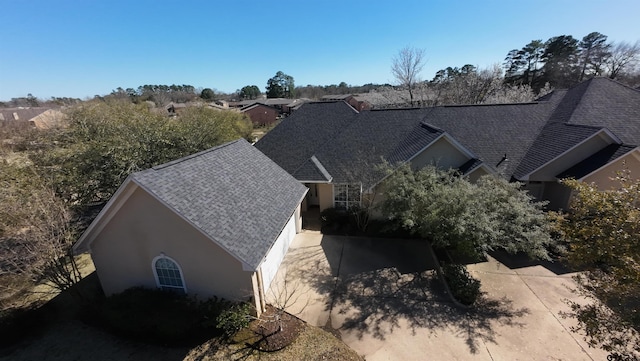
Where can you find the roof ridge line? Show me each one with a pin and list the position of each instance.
(321, 167)
(191, 156)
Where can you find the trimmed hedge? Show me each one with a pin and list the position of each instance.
(464, 287)
(162, 317)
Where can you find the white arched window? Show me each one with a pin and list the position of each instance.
(168, 274)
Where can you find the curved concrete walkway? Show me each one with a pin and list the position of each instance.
(383, 298)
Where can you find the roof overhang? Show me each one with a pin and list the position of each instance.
(604, 132)
(107, 212)
(635, 152)
(451, 141)
(128, 187)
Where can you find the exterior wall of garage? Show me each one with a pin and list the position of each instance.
(273, 259)
(142, 229)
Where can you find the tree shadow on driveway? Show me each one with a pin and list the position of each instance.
(377, 303)
(374, 287)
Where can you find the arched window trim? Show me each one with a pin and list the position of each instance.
(155, 272)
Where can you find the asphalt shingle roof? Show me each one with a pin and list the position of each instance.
(607, 103)
(298, 136)
(233, 193)
(554, 139)
(313, 171)
(514, 139)
(492, 131)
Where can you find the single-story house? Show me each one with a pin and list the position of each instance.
(35, 117)
(586, 132)
(218, 222)
(261, 114)
(357, 102)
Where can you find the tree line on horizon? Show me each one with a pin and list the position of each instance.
(559, 62)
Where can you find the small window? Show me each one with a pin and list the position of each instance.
(168, 274)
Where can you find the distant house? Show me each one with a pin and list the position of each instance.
(283, 105)
(34, 117)
(174, 109)
(217, 223)
(357, 102)
(586, 132)
(261, 114)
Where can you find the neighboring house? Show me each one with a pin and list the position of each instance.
(260, 114)
(357, 102)
(283, 105)
(35, 117)
(173, 109)
(217, 223)
(585, 132)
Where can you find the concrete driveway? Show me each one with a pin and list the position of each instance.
(384, 299)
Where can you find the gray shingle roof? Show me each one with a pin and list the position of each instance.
(554, 139)
(528, 134)
(491, 131)
(312, 171)
(233, 193)
(596, 161)
(607, 103)
(353, 153)
(298, 136)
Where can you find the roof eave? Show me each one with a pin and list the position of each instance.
(635, 150)
(604, 131)
(107, 212)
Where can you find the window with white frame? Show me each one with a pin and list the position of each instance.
(346, 195)
(168, 274)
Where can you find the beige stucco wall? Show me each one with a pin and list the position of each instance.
(141, 230)
(605, 176)
(548, 172)
(325, 196)
(441, 154)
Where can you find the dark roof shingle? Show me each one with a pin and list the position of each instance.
(233, 193)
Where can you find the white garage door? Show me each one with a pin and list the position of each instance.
(272, 262)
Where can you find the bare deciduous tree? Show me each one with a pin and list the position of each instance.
(285, 292)
(406, 68)
(36, 231)
(624, 57)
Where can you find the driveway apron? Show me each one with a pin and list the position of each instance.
(385, 301)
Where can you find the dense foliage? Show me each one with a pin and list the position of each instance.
(106, 141)
(162, 317)
(463, 286)
(603, 235)
(280, 86)
(563, 61)
(249, 92)
(471, 218)
(36, 231)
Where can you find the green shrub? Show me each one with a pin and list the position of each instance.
(464, 287)
(333, 219)
(162, 317)
(234, 318)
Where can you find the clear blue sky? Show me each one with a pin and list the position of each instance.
(86, 47)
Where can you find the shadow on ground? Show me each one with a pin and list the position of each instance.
(521, 260)
(373, 287)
